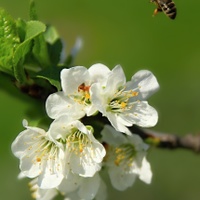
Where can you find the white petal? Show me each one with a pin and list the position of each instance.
(61, 127)
(97, 150)
(41, 194)
(84, 166)
(47, 194)
(89, 187)
(29, 168)
(91, 110)
(117, 75)
(145, 172)
(98, 97)
(138, 143)
(146, 81)
(102, 192)
(81, 127)
(87, 161)
(58, 104)
(98, 72)
(21, 175)
(112, 137)
(120, 179)
(144, 115)
(49, 181)
(70, 184)
(116, 123)
(19, 145)
(116, 80)
(72, 78)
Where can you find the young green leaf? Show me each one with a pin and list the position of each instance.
(52, 75)
(54, 44)
(9, 41)
(33, 29)
(40, 52)
(32, 11)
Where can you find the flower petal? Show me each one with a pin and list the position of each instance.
(120, 179)
(146, 82)
(90, 187)
(58, 104)
(112, 137)
(84, 166)
(116, 122)
(144, 115)
(72, 78)
(48, 180)
(145, 172)
(18, 146)
(99, 73)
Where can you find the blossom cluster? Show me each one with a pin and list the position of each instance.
(69, 157)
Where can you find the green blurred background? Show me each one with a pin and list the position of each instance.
(122, 32)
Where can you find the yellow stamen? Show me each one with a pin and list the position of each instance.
(81, 147)
(38, 159)
(119, 156)
(134, 94)
(87, 95)
(123, 105)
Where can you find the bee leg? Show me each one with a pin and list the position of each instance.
(156, 11)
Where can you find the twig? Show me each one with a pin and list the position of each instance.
(160, 140)
(169, 141)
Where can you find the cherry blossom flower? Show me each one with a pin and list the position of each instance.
(41, 194)
(39, 156)
(83, 152)
(75, 187)
(124, 104)
(74, 99)
(125, 159)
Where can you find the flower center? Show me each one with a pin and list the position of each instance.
(83, 95)
(121, 101)
(42, 149)
(77, 142)
(124, 155)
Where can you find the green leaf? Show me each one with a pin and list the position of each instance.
(54, 44)
(18, 60)
(40, 52)
(32, 11)
(33, 29)
(21, 29)
(9, 41)
(51, 35)
(52, 75)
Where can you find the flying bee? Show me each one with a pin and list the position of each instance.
(166, 6)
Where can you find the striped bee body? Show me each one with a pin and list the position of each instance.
(166, 6)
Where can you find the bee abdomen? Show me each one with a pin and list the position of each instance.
(169, 9)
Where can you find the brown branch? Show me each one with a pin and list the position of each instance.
(158, 139)
(169, 141)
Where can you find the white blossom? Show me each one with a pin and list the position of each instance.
(83, 152)
(41, 194)
(125, 159)
(124, 104)
(75, 187)
(39, 157)
(74, 99)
